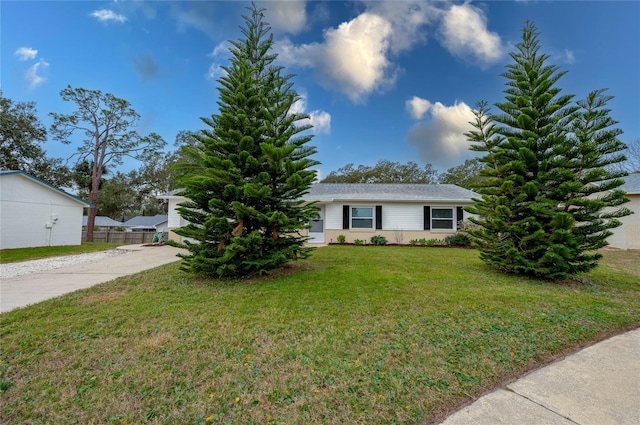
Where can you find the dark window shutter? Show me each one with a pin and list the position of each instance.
(427, 218)
(459, 215)
(379, 217)
(345, 216)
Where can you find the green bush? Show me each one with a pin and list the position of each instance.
(378, 240)
(413, 242)
(434, 242)
(358, 242)
(342, 239)
(459, 239)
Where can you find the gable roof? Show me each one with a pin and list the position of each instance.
(175, 193)
(45, 184)
(103, 221)
(146, 220)
(329, 192)
(631, 184)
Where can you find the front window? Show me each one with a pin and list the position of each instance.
(442, 218)
(362, 218)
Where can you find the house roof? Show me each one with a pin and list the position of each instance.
(631, 184)
(328, 192)
(175, 193)
(44, 183)
(147, 221)
(102, 221)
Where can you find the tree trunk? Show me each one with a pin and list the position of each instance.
(91, 217)
(93, 199)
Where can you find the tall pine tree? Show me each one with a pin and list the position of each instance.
(246, 177)
(548, 197)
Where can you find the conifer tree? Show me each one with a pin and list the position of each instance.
(245, 178)
(546, 160)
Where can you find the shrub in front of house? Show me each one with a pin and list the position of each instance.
(459, 239)
(378, 240)
(358, 242)
(342, 239)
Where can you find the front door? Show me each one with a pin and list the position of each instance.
(316, 233)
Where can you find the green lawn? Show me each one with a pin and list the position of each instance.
(24, 254)
(352, 335)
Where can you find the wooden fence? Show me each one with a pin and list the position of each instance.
(124, 238)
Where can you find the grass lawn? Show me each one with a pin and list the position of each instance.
(352, 335)
(24, 254)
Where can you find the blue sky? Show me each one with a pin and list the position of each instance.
(389, 80)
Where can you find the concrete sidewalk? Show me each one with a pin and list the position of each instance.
(21, 291)
(599, 385)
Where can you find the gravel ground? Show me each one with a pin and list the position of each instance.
(35, 266)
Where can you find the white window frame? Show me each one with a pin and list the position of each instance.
(440, 219)
(373, 217)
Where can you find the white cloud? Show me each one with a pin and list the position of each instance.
(568, 56)
(199, 15)
(464, 33)
(106, 15)
(440, 139)
(33, 76)
(286, 16)
(356, 58)
(352, 59)
(417, 107)
(220, 52)
(26, 53)
(408, 20)
(320, 120)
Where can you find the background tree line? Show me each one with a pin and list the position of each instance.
(127, 194)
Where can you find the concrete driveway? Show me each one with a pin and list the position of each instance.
(20, 291)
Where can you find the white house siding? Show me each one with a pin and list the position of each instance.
(401, 222)
(627, 236)
(33, 214)
(402, 217)
(333, 216)
(174, 220)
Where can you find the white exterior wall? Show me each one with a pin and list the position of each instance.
(173, 219)
(333, 216)
(25, 209)
(627, 236)
(395, 216)
(402, 217)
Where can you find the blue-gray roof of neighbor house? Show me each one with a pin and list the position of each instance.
(329, 192)
(631, 184)
(147, 221)
(102, 221)
(42, 182)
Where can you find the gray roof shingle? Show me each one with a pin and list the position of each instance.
(631, 184)
(146, 221)
(328, 192)
(102, 221)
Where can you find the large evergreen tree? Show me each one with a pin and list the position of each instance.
(246, 177)
(546, 161)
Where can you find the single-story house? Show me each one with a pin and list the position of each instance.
(399, 212)
(144, 223)
(103, 223)
(36, 213)
(627, 236)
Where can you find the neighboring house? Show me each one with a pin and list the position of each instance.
(103, 223)
(143, 223)
(399, 212)
(35, 213)
(627, 236)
